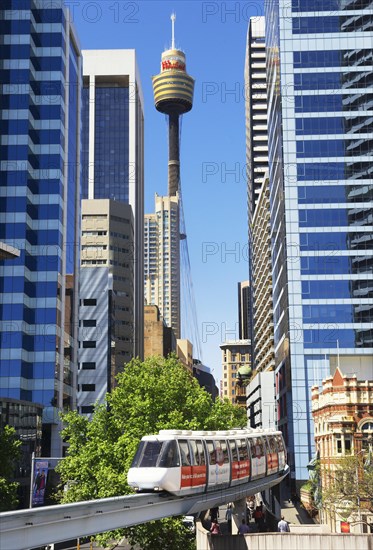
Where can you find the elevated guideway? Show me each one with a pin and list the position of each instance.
(34, 527)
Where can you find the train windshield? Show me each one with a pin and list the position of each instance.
(151, 454)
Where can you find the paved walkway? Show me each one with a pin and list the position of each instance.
(295, 513)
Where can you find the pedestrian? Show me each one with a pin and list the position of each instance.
(259, 517)
(228, 517)
(251, 507)
(243, 528)
(214, 513)
(283, 526)
(215, 528)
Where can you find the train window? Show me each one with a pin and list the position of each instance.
(185, 454)
(170, 455)
(211, 452)
(232, 445)
(280, 443)
(272, 443)
(221, 452)
(201, 452)
(242, 449)
(252, 446)
(258, 447)
(150, 454)
(137, 457)
(193, 447)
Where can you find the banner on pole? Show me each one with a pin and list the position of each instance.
(39, 482)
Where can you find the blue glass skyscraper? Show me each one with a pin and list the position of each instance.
(321, 167)
(40, 78)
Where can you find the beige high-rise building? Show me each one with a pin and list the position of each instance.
(255, 110)
(236, 362)
(264, 351)
(162, 260)
(106, 331)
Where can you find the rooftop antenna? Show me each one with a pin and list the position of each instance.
(173, 19)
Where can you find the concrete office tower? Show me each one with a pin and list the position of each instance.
(257, 165)
(264, 350)
(106, 329)
(320, 167)
(162, 260)
(113, 156)
(244, 309)
(173, 95)
(255, 110)
(40, 190)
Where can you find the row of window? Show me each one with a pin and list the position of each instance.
(331, 24)
(335, 217)
(337, 289)
(334, 125)
(334, 148)
(333, 103)
(336, 241)
(326, 171)
(330, 265)
(337, 313)
(338, 338)
(327, 194)
(332, 81)
(329, 5)
(333, 58)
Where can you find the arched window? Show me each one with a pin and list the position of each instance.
(367, 431)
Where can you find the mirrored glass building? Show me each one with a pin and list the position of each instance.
(320, 107)
(40, 76)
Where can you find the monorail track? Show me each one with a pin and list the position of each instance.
(34, 527)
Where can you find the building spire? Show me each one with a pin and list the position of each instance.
(173, 19)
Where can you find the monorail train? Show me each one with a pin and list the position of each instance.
(184, 462)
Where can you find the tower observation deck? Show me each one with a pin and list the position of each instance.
(173, 95)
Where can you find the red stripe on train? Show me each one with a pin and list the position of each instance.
(193, 476)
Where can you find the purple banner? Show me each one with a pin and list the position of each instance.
(40, 482)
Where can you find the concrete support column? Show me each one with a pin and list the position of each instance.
(239, 513)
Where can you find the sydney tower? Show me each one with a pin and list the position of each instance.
(173, 95)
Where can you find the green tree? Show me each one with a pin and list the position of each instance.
(150, 396)
(348, 490)
(9, 453)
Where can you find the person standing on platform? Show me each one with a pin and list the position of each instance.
(228, 517)
(283, 526)
(243, 528)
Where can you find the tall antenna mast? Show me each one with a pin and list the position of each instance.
(173, 19)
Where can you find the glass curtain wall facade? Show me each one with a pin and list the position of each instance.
(113, 162)
(319, 59)
(40, 76)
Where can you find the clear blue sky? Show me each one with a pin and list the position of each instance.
(213, 35)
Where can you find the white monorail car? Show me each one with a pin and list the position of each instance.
(185, 462)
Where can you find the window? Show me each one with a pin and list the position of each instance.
(88, 366)
(88, 387)
(89, 323)
(367, 431)
(338, 444)
(87, 409)
(185, 453)
(211, 452)
(89, 302)
(89, 344)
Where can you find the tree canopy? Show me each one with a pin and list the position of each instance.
(9, 453)
(349, 488)
(150, 396)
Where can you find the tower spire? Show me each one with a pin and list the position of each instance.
(173, 19)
